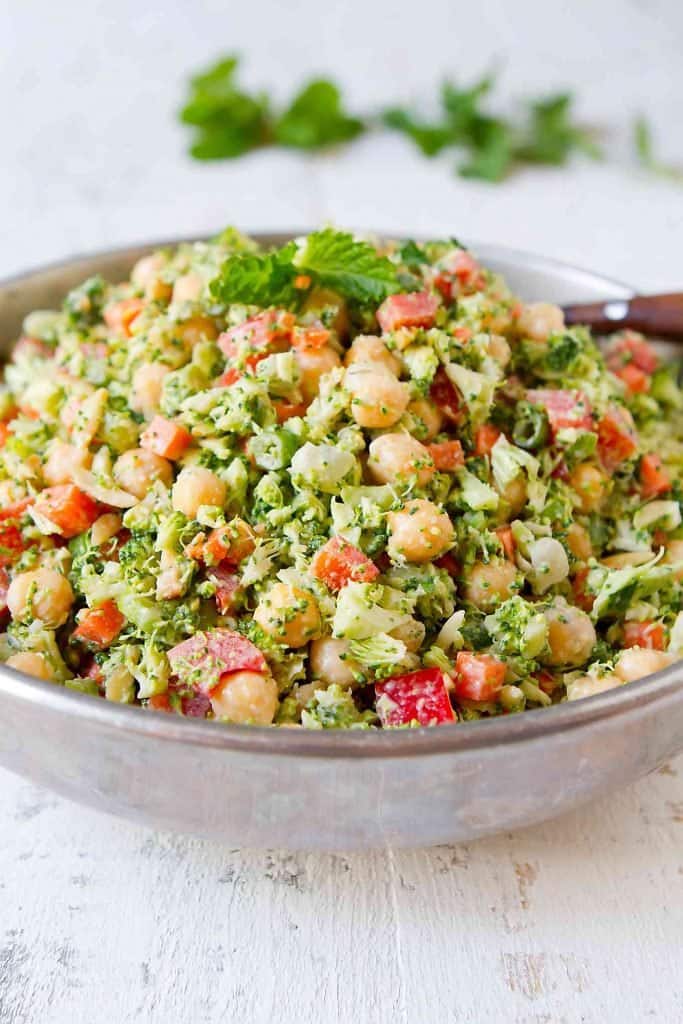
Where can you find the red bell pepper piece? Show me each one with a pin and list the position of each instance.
(645, 634)
(478, 677)
(654, 479)
(337, 563)
(407, 309)
(414, 697)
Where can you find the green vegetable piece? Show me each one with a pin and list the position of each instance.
(531, 427)
(273, 449)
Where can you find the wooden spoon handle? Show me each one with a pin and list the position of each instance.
(659, 315)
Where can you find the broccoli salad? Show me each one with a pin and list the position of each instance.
(338, 484)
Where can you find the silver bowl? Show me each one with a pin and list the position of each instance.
(332, 790)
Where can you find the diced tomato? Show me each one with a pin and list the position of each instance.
(226, 379)
(504, 534)
(166, 438)
(617, 438)
(227, 587)
(485, 438)
(100, 626)
(447, 455)
(645, 634)
(337, 563)
(582, 598)
(4, 434)
(414, 697)
(444, 394)
(268, 332)
(458, 273)
(449, 563)
(408, 309)
(636, 380)
(120, 315)
(286, 410)
(631, 348)
(314, 337)
(12, 543)
(564, 408)
(654, 479)
(71, 510)
(160, 702)
(478, 676)
(205, 658)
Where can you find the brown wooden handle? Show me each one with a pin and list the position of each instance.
(659, 315)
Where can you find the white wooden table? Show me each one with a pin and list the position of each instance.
(576, 920)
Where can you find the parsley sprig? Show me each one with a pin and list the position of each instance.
(333, 259)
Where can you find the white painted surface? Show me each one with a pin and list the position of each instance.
(577, 920)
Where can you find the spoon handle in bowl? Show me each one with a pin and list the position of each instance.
(659, 315)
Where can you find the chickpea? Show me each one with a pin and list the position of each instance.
(429, 419)
(41, 594)
(148, 381)
(197, 328)
(579, 542)
(420, 532)
(674, 556)
(411, 633)
(32, 664)
(367, 348)
(514, 494)
(490, 583)
(637, 662)
(105, 527)
(539, 320)
(329, 662)
(591, 486)
(378, 399)
(146, 275)
(288, 614)
(137, 469)
(499, 349)
(571, 635)
(399, 456)
(62, 460)
(313, 364)
(246, 697)
(197, 486)
(187, 288)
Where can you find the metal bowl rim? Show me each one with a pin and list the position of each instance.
(421, 741)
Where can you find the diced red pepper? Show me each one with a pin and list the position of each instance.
(231, 543)
(100, 626)
(205, 658)
(12, 543)
(631, 348)
(314, 337)
(4, 587)
(617, 438)
(458, 273)
(449, 563)
(226, 379)
(337, 563)
(286, 410)
(636, 380)
(478, 677)
(561, 471)
(414, 697)
(504, 534)
(227, 587)
(564, 408)
(166, 438)
(160, 702)
(268, 332)
(447, 455)
(4, 434)
(119, 316)
(645, 634)
(408, 309)
(654, 479)
(444, 394)
(70, 510)
(485, 438)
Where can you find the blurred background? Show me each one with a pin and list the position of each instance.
(93, 153)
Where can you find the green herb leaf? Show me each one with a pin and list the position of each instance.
(353, 268)
(551, 136)
(228, 121)
(258, 279)
(316, 118)
(642, 141)
(429, 138)
(491, 151)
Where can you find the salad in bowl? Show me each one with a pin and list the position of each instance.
(338, 484)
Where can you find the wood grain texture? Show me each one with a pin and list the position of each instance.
(573, 922)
